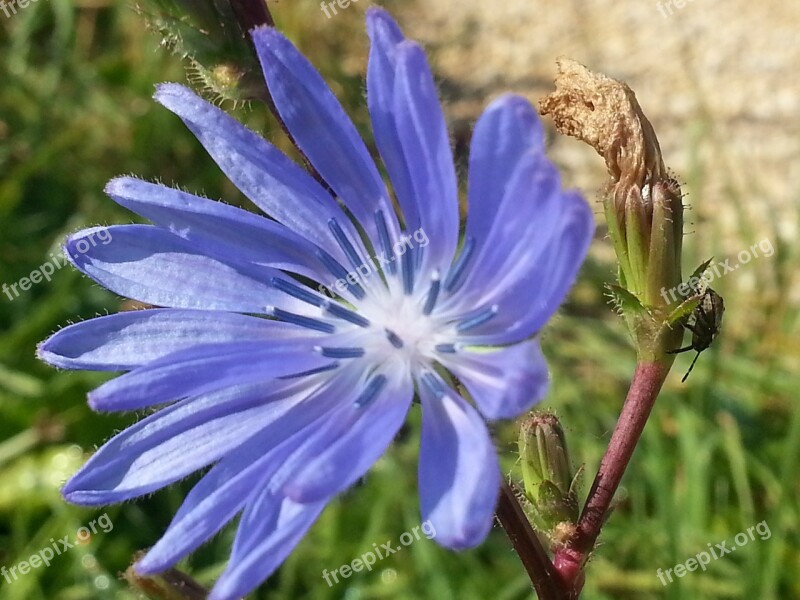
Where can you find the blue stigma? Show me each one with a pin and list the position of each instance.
(341, 352)
(408, 271)
(308, 322)
(454, 276)
(383, 234)
(337, 310)
(330, 367)
(373, 388)
(394, 338)
(433, 384)
(479, 318)
(433, 294)
(297, 291)
(445, 348)
(344, 243)
(339, 272)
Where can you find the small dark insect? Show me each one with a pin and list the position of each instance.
(704, 323)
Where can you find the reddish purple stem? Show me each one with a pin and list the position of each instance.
(646, 384)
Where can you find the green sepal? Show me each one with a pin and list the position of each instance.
(701, 269)
(683, 310)
(624, 300)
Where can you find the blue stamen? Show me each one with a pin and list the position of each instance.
(308, 322)
(459, 266)
(394, 338)
(408, 272)
(445, 348)
(481, 317)
(344, 243)
(374, 388)
(419, 252)
(297, 291)
(337, 310)
(433, 384)
(338, 271)
(340, 352)
(433, 294)
(330, 367)
(386, 244)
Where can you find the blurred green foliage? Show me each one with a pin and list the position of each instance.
(719, 455)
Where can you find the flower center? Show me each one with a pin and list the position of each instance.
(400, 328)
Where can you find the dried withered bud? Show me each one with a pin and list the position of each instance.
(642, 203)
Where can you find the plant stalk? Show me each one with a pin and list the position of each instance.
(255, 13)
(544, 577)
(645, 386)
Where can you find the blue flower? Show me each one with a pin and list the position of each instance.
(290, 349)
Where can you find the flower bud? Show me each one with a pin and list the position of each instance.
(208, 34)
(642, 203)
(551, 502)
(169, 585)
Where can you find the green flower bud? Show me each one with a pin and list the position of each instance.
(169, 585)
(172, 584)
(208, 35)
(550, 500)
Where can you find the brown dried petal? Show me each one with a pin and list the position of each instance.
(604, 113)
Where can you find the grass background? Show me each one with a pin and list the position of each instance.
(719, 455)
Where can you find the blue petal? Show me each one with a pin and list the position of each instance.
(146, 263)
(204, 369)
(240, 476)
(531, 255)
(507, 130)
(153, 453)
(524, 225)
(323, 131)
(221, 230)
(504, 382)
(270, 530)
(213, 502)
(347, 445)
(385, 35)
(459, 477)
(128, 340)
(262, 172)
(426, 150)
(533, 289)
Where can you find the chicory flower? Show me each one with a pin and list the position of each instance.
(289, 350)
